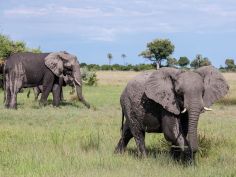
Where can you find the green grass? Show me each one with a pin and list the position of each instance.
(75, 141)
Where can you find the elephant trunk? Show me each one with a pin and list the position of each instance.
(192, 128)
(78, 85)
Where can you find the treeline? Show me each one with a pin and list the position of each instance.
(118, 67)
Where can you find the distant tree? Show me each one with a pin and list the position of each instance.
(183, 61)
(109, 56)
(171, 62)
(158, 50)
(123, 56)
(230, 64)
(199, 61)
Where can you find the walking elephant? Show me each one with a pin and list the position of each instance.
(28, 69)
(169, 101)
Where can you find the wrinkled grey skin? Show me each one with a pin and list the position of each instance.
(153, 102)
(23, 70)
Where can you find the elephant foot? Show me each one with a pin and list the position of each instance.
(42, 103)
(175, 153)
(120, 148)
(87, 104)
(12, 106)
(188, 158)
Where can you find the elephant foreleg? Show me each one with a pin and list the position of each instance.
(56, 91)
(47, 86)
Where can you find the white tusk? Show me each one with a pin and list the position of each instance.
(207, 109)
(184, 110)
(77, 82)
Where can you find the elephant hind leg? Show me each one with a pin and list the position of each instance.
(15, 86)
(139, 137)
(124, 140)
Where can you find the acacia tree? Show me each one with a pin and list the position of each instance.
(199, 61)
(183, 61)
(158, 50)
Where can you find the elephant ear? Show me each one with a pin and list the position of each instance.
(160, 88)
(54, 62)
(214, 83)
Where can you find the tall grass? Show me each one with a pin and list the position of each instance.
(75, 141)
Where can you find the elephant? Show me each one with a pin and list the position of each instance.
(27, 69)
(39, 89)
(169, 101)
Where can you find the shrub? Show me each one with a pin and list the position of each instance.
(89, 77)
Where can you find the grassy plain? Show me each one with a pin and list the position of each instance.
(75, 141)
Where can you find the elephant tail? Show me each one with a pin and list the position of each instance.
(122, 121)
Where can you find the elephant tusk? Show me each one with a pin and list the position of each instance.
(77, 82)
(184, 110)
(207, 109)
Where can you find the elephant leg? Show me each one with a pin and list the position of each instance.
(125, 138)
(47, 86)
(62, 96)
(15, 86)
(56, 91)
(173, 132)
(37, 91)
(139, 137)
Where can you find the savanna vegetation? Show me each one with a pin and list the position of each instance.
(75, 141)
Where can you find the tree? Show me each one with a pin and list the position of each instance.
(183, 61)
(230, 63)
(158, 50)
(199, 61)
(171, 62)
(8, 47)
(109, 56)
(123, 56)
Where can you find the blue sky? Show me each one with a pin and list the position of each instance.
(92, 28)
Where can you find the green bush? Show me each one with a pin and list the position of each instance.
(89, 77)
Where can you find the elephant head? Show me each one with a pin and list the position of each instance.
(187, 92)
(63, 64)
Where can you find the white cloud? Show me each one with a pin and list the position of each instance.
(106, 19)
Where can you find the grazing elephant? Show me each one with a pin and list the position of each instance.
(169, 101)
(28, 69)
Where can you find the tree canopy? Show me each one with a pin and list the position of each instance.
(200, 61)
(158, 50)
(183, 61)
(8, 47)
